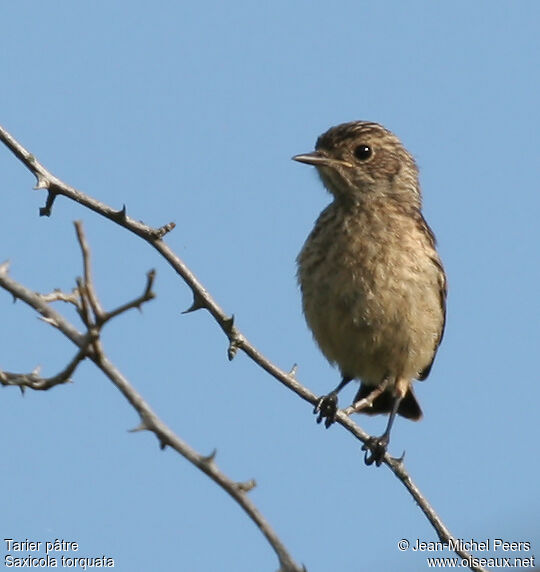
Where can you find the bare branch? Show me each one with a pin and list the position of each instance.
(89, 298)
(85, 311)
(59, 296)
(146, 296)
(88, 282)
(167, 438)
(202, 299)
(47, 181)
(49, 314)
(149, 420)
(34, 381)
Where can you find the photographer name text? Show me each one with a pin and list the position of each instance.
(472, 545)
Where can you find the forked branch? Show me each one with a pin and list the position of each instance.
(203, 300)
(94, 317)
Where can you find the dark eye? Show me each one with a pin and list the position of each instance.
(363, 152)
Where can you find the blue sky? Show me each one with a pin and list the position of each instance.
(190, 112)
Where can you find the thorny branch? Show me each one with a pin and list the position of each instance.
(34, 381)
(94, 318)
(203, 300)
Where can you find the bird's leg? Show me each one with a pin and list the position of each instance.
(326, 405)
(375, 448)
(361, 403)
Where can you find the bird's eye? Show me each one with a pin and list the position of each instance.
(363, 152)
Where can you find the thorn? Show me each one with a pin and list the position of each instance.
(162, 444)
(247, 486)
(49, 321)
(141, 427)
(198, 304)
(121, 214)
(228, 324)
(41, 183)
(150, 276)
(294, 369)
(23, 389)
(47, 209)
(4, 267)
(232, 349)
(36, 370)
(163, 230)
(209, 458)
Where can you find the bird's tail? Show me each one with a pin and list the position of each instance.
(408, 407)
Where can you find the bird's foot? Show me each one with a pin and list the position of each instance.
(375, 450)
(326, 407)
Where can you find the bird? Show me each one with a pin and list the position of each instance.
(373, 286)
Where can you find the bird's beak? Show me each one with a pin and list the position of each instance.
(314, 158)
(317, 159)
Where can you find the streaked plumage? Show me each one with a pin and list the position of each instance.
(373, 286)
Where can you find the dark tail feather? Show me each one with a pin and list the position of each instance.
(408, 407)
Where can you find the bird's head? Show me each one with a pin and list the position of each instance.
(361, 160)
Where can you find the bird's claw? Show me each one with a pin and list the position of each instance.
(375, 450)
(326, 407)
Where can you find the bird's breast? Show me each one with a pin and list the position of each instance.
(369, 292)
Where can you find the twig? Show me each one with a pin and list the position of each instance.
(59, 296)
(202, 299)
(49, 314)
(149, 420)
(88, 282)
(34, 381)
(146, 296)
